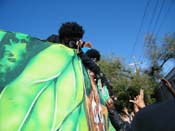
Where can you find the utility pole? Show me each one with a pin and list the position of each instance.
(135, 64)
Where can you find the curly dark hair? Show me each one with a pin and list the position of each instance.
(53, 38)
(124, 97)
(70, 30)
(94, 54)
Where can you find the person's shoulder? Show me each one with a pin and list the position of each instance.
(85, 49)
(53, 38)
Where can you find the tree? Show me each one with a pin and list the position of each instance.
(159, 54)
(126, 84)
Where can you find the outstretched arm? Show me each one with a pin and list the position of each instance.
(168, 85)
(114, 117)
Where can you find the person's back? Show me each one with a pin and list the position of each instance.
(156, 117)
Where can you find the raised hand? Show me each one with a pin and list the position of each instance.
(139, 99)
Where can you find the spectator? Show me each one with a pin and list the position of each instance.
(53, 38)
(70, 34)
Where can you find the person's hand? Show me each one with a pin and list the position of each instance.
(136, 108)
(85, 44)
(88, 44)
(132, 114)
(125, 118)
(110, 104)
(91, 74)
(139, 100)
(166, 82)
(125, 110)
(168, 85)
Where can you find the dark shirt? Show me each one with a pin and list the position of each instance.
(156, 117)
(117, 122)
(91, 65)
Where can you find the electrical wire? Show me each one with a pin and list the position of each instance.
(165, 16)
(140, 27)
(149, 27)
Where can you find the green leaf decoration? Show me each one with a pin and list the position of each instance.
(47, 95)
(43, 86)
(2, 34)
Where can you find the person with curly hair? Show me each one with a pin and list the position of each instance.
(71, 34)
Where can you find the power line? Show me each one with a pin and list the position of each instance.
(160, 11)
(165, 16)
(157, 19)
(149, 26)
(154, 12)
(141, 24)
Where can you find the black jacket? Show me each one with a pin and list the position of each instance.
(117, 122)
(91, 65)
(155, 117)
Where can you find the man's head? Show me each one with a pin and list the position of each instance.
(53, 38)
(93, 54)
(70, 33)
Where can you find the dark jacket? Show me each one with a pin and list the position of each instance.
(91, 65)
(117, 122)
(155, 117)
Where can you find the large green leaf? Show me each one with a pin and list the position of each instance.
(47, 95)
(43, 86)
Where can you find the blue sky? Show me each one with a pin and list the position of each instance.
(112, 26)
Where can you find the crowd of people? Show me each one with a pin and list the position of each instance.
(157, 117)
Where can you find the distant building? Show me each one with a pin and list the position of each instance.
(162, 93)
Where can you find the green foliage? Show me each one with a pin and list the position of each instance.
(126, 84)
(159, 53)
(112, 66)
(168, 48)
